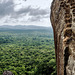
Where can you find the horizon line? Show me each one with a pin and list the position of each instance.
(26, 25)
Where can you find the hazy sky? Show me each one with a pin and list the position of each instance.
(25, 12)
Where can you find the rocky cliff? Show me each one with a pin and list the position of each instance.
(63, 22)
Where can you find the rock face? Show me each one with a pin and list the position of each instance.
(63, 22)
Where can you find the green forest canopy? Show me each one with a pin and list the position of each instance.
(27, 52)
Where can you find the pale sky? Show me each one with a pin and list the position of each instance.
(25, 12)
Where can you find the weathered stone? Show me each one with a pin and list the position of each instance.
(8, 73)
(63, 22)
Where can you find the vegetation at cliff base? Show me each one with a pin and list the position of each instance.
(27, 52)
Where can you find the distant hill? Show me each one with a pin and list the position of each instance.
(25, 27)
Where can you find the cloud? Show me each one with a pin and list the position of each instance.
(6, 7)
(37, 18)
(32, 11)
(38, 11)
(28, 13)
(35, 14)
(25, 10)
(24, 0)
